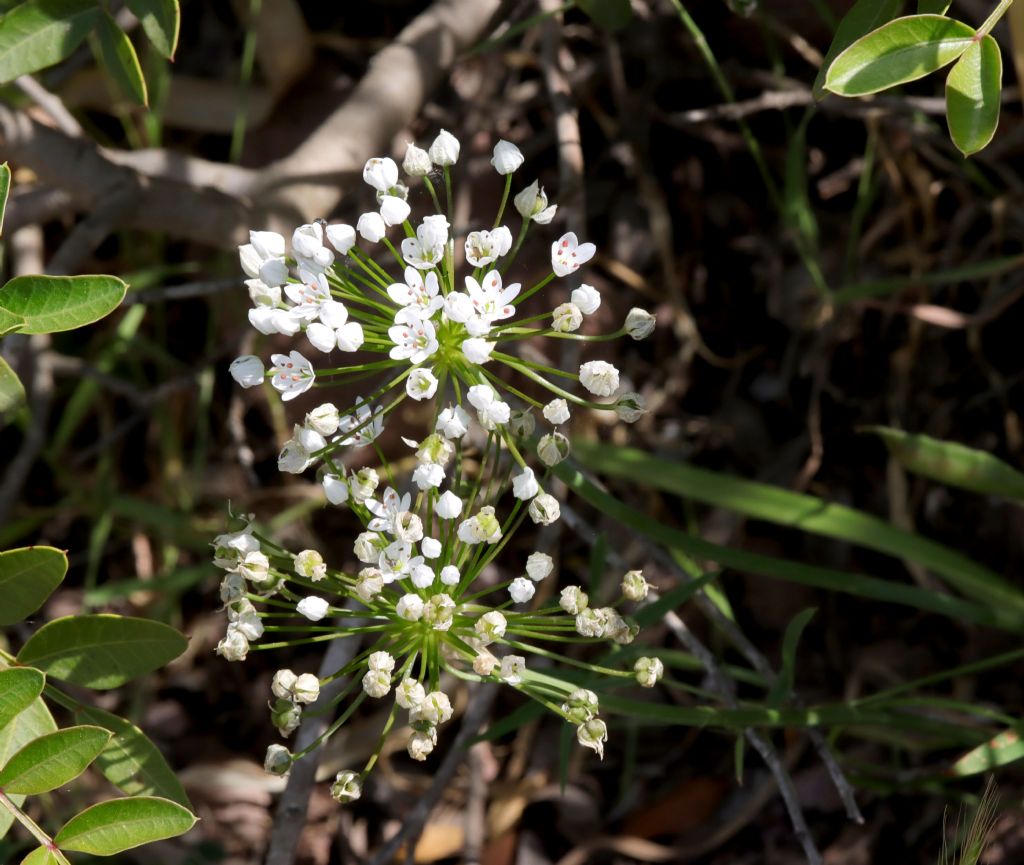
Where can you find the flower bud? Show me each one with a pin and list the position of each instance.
(556, 411)
(409, 693)
(247, 370)
(507, 157)
(310, 564)
(282, 683)
(581, 705)
(552, 448)
(234, 646)
(346, 787)
(421, 745)
(573, 600)
(599, 377)
(450, 575)
(408, 527)
(566, 318)
(445, 149)
(363, 484)
(522, 423)
(532, 203)
(448, 506)
(313, 608)
(593, 734)
(324, 419)
(484, 663)
(369, 584)
(639, 323)
(648, 671)
(630, 407)
(381, 661)
(544, 509)
(342, 237)
(587, 298)
(491, 626)
(524, 484)
(376, 683)
(410, 607)
(367, 548)
(539, 566)
(521, 590)
(512, 667)
(306, 688)
(590, 623)
(634, 586)
(286, 716)
(439, 611)
(435, 709)
(336, 488)
(417, 161)
(255, 567)
(371, 226)
(278, 760)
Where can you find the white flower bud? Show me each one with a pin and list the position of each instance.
(587, 298)
(532, 203)
(255, 567)
(566, 318)
(262, 294)
(522, 422)
(599, 377)
(521, 590)
(634, 586)
(539, 566)
(409, 694)
(450, 575)
(371, 226)
(286, 716)
(445, 149)
(491, 626)
(477, 350)
(552, 448)
(581, 705)
(507, 157)
(410, 607)
(381, 173)
(294, 458)
(593, 734)
(310, 564)
(524, 485)
(544, 509)
(324, 419)
(430, 547)
(421, 745)
(408, 527)
(590, 623)
(573, 600)
(630, 407)
(377, 683)
(512, 667)
(639, 323)
(342, 237)
(439, 612)
(363, 484)
(369, 584)
(278, 760)
(422, 576)
(435, 709)
(282, 683)
(428, 476)
(346, 787)
(556, 411)
(306, 688)
(234, 646)
(394, 210)
(381, 661)
(247, 370)
(448, 506)
(453, 422)
(367, 548)
(648, 671)
(313, 608)
(417, 161)
(335, 488)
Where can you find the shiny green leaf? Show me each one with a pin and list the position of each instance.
(40, 33)
(161, 21)
(49, 304)
(53, 760)
(973, 91)
(29, 724)
(27, 578)
(41, 856)
(121, 824)
(863, 17)
(902, 50)
(101, 651)
(19, 686)
(117, 54)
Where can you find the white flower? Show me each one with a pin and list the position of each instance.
(448, 506)
(544, 509)
(524, 485)
(453, 422)
(634, 586)
(263, 257)
(232, 588)
(573, 600)
(381, 661)
(381, 173)
(599, 377)
(581, 705)
(367, 547)
(491, 626)
(484, 663)
(512, 667)
(439, 612)
(552, 448)
(234, 646)
(639, 323)
(306, 689)
(408, 527)
(488, 302)
(268, 321)
(587, 298)
(321, 337)
(346, 787)
(566, 318)
(243, 618)
(369, 584)
(556, 411)
(422, 576)
(394, 210)
(484, 247)
(396, 561)
(361, 427)
(342, 237)
(507, 157)
(247, 370)
(482, 528)
(430, 547)
(435, 708)
(539, 566)
(421, 384)
(309, 249)
(409, 693)
(428, 476)
(262, 294)
(475, 349)
(292, 374)
(426, 249)
(593, 734)
(255, 567)
(532, 203)
(310, 564)
(445, 149)
(418, 293)
(313, 608)
(363, 484)
(490, 410)
(294, 458)
(416, 340)
(648, 671)
(277, 761)
(567, 254)
(521, 590)
(410, 607)
(376, 683)
(386, 511)
(371, 226)
(417, 161)
(450, 575)
(591, 622)
(323, 419)
(420, 745)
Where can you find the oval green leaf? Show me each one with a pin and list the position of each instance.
(863, 17)
(19, 686)
(131, 762)
(950, 463)
(12, 394)
(902, 50)
(49, 304)
(117, 54)
(161, 21)
(40, 33)
(121, 824)
(973, 94)
(53, 760)
(1006, 747)
(101, 651)
(28, 575)
(41, 856)
(5, 188)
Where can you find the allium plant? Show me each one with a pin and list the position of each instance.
(403, 319)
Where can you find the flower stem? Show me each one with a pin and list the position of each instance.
(993, 19)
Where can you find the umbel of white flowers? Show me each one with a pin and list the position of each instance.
(419, 333)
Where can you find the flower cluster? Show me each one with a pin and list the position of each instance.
(419, 599)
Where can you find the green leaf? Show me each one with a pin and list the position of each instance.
(131, 762)
(27, 578)
(5, 188)
(933, 7)
(40, 33)
(972, 96)
(783, 686)
(608, 14)
(804, 512)
(53, 760)
(19, 686)
(9, 322)
(117, 54)
(12, 394)
(950, 463)
(161, 21)
(49, 304)
(101, 651)
(1006, 747)
(41, 856)
(902, 50)
(863, 17)
(121, 824)
(33, 722)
